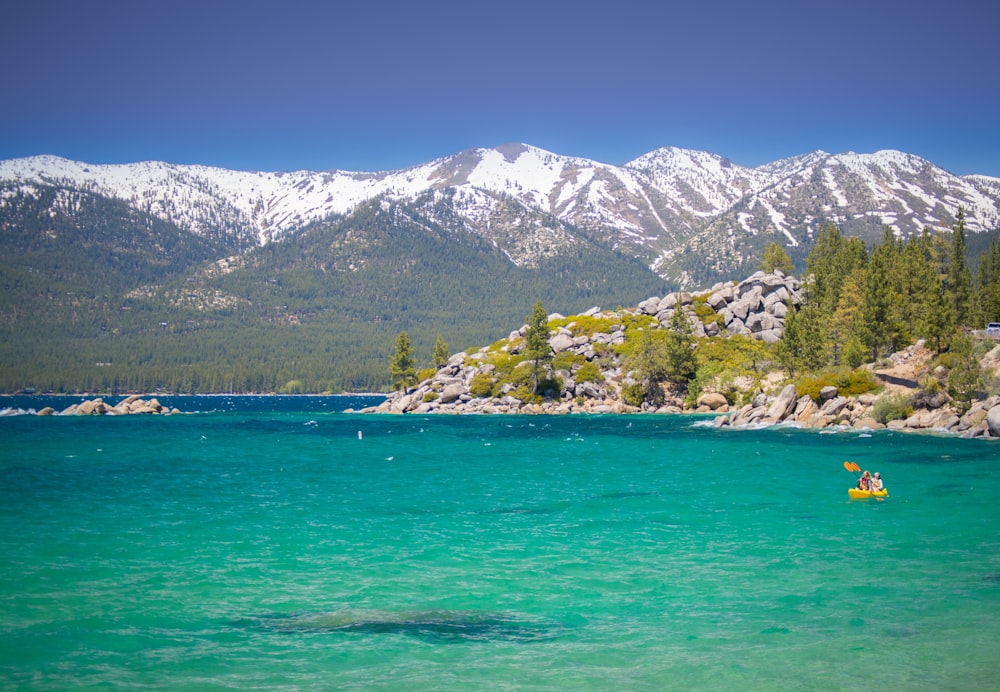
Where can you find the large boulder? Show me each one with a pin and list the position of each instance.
(650, 306)
(783, 404)
(720, 299)
(451, 393)
(993, 421)
(561, 342)
(834, 405)
(712, 400)
(770, 336)
(740, 309)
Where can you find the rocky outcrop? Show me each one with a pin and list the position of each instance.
(130, 406)
(981, 420)
(755, 307)
(450, 390)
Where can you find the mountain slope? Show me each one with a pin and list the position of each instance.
(193, 278)
(663, 207)
(316, 312)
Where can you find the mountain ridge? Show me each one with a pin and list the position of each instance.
(690, 215)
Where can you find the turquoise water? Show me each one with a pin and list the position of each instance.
(259, 546)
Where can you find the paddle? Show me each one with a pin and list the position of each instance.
(852, 467)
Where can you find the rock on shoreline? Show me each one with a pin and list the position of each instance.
(133, 405)
(981, 420)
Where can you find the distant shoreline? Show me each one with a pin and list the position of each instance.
(104, 394)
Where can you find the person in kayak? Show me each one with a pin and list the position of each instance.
(875, 484)
(865, 482)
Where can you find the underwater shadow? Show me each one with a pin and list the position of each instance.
(428, 625)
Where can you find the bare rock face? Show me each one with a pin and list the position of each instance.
(783, 404)
(993, 421)
(713, 400)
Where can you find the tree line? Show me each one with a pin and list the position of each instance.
(864, 303)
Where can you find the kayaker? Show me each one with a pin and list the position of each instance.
(865, 482)
(876, 483)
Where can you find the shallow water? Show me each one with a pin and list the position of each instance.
(260, 546)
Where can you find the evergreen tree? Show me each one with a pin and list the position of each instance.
(989, 283)
(440, 355)
(401, 366)
(537, 347)
(803, 346)
(832, 259)
(681, 361)
(876, 328)
(775, 257)
(959, 281)
(918, 285)
(966, 378)
(938, 322)
(648, 362)
(844, 321)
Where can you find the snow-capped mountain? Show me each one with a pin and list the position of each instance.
(688, 214)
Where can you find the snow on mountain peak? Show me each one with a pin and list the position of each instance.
(652, 204)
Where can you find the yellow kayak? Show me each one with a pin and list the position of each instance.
(858, 494)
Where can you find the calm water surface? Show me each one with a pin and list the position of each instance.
(284, 544)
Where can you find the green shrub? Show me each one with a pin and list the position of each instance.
(565, 360)
(526, 394)
(481, 386)
(586, 325)
(430, 396)
(946, 359)
(705, 312)
(589, 372)
(504, 363)
(847, 382)
(522, 374)
(893, 407)
(426, 374)
(634, 394)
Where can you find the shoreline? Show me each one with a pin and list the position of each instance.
(982, 420)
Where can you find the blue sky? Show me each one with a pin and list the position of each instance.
(379, 85)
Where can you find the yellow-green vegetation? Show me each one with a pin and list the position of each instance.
(737, 355)
(705, 312)
(892, 407)
(481, 386)
(634, 394)
(508, 369)
(292, 387)
(586, 325)
(635, 326)
(723, 361)
(589, 372)
(848, 383)
(566, 360)
(425, 374)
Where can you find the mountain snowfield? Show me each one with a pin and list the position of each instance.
(661, 206)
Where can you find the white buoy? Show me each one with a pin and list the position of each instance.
(359, 434)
